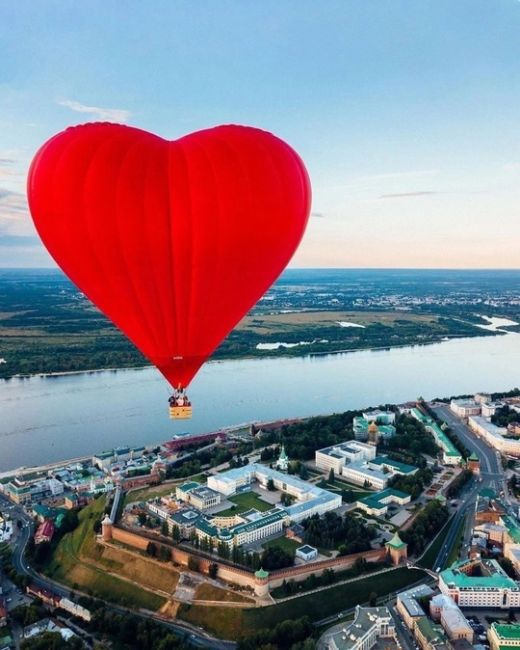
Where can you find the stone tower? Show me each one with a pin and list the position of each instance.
(262, 583)
(397, 549)
(106, 529)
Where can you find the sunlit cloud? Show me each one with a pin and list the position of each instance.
(406, 195)
(103, 114)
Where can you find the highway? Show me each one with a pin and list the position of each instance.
(195, 637)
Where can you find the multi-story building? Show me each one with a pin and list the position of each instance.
(254, 526)
(503, 637)
(479, 583)
(494, 436)
(407, 604)
(197, 495)
(444, 609)
(450, 454)
(464, 408)
(369, 625)
(375, 473)
(429, 636)
(377, 504)
(337, 456)
(310, 499)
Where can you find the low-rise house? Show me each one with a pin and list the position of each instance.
(307, 553)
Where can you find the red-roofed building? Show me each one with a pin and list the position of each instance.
(46, 596)
(44, 533)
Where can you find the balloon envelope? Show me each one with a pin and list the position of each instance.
(173, 240)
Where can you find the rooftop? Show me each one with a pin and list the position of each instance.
(506, 632)
(366, 618)
(492, 576)
(401, 467)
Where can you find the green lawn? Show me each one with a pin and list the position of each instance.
(289, 545)
(245, 501)
(221, 622)
(67, 567)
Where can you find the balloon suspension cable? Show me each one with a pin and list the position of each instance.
(179, 397)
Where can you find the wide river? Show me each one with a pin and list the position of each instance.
(43, 419)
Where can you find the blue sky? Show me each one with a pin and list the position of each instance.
(406, 112)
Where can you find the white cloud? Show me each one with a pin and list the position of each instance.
(103, 114)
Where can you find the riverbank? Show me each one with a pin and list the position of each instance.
(275, 354)
(46, 419)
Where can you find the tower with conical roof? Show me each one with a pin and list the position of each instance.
(261, 583)
(397, 549)
(283, 460)
(106, 528)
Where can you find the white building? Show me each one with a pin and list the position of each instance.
(465, 407)
(363, 474)
(370, 624)
(376, 472)
(337, 456)
(444, 609)
(310, 499)
(494, 436)
(479, 583)
(307, 553)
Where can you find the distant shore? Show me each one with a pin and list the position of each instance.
(273, 355)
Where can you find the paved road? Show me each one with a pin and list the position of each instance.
(492, 476)
(198, 639)
(491, 464)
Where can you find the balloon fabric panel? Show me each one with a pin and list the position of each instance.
(173, 241)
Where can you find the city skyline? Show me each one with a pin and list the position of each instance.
(405, 115)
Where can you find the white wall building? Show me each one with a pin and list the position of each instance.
(465, 407)
(494, 436)
(337, 456)
(369, 625)
(479, 583)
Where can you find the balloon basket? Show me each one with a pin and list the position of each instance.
(180, 412)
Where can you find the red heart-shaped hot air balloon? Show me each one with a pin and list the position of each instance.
(173, 240)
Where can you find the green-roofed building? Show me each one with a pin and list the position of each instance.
(480, 583)
(430, 635)
(513, 528)
(504, 637)
(450, 454)
(377, 504)
(393, 466)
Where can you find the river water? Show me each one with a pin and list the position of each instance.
(43, 419)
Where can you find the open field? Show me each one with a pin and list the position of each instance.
(207, 591)
(47, 326)
(79, 562)
(280, 323)
(221, 622)
(244, 502)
